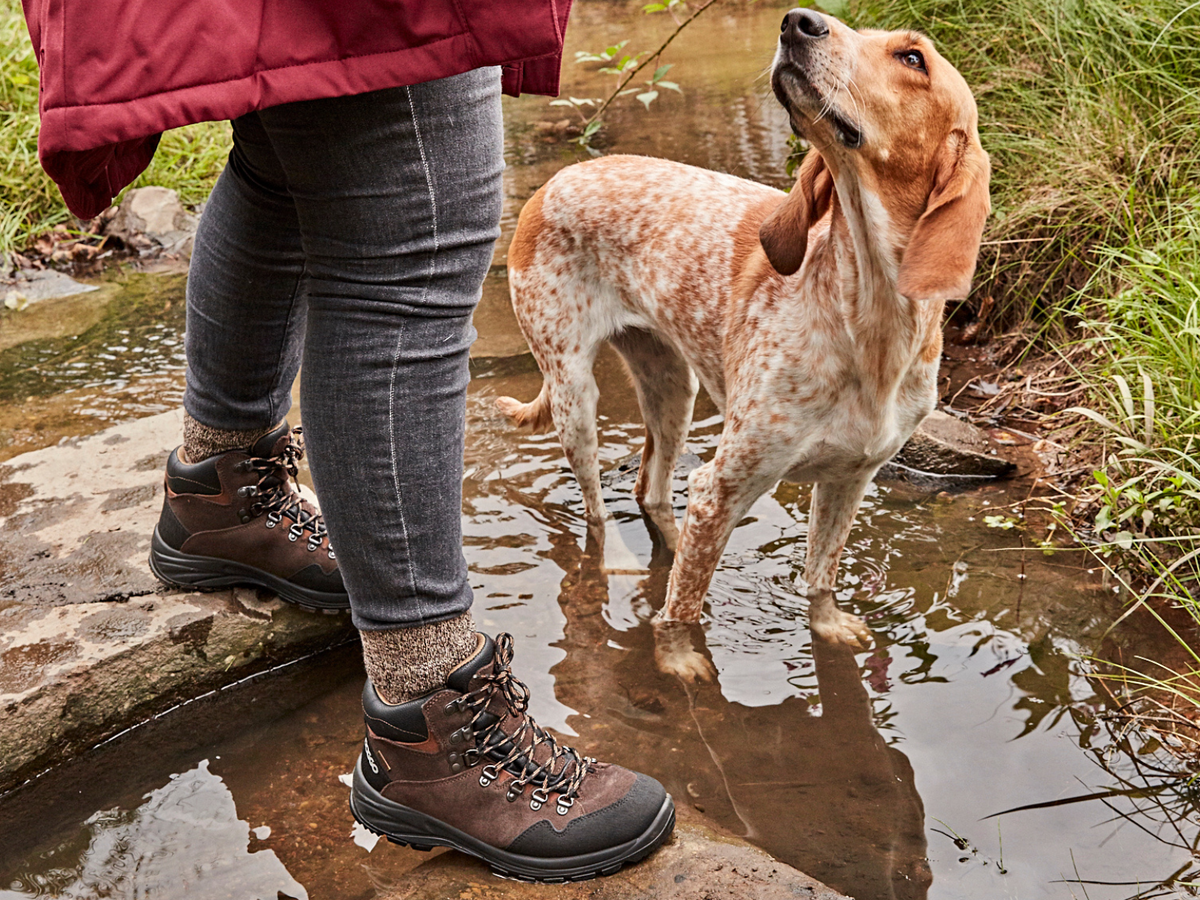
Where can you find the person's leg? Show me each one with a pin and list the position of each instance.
(398, 194)
(231, 512)
(245, 305)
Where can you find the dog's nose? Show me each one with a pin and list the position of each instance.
(803, 24)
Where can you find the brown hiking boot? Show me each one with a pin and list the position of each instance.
(466, 767)
(238, 519)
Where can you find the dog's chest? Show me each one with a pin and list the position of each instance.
(846, 425)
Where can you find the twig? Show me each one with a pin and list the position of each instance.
(649, 59)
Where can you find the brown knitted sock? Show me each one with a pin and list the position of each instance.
(409, 662)
(200, 441)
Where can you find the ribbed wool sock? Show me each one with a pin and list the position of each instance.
(200, 441)
(408, 662)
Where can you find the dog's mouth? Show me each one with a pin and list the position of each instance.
(816, 106)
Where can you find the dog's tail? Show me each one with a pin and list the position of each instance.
(533, 417)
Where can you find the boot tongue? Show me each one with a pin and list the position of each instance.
(460, 678)
(270, 445)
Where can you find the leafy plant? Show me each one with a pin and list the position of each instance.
(626, 66)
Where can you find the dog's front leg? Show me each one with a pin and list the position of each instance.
(834, 505)
(718, 498)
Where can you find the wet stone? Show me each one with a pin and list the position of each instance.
(699, 861)
(21, 667)
(945, 445)
(113, 624)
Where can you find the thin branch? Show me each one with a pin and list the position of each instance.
(649, 59)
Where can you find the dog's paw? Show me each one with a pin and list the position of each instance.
(837, 627)
(675, 655)
(688, 665)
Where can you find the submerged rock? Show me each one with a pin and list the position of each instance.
(700, 861)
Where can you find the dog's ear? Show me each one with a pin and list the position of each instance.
(939, 261)
(784, 233)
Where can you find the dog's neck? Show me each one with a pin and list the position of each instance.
(866, 245)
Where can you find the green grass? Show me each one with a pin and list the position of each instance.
(188, 159)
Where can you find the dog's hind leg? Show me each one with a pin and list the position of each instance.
(666, 390)
(573, 395)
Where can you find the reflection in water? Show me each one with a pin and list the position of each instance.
(185, 840)
(809, 779)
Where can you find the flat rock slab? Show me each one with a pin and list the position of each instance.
(700, 862)
(42, 284)
(90, 642)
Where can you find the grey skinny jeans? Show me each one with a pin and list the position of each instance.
(352, 235)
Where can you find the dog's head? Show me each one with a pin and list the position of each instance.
(885, 109)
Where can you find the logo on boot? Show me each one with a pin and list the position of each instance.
(367, 755)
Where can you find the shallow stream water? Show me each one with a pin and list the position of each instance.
(874, 772)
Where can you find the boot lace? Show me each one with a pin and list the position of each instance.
(561, 773)
(275, 495)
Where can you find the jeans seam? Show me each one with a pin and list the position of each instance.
(399, 349)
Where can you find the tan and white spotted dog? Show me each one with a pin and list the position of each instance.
(813, 319)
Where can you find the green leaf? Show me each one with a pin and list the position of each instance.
(648, 97)
(1123, 539)
(669, 85)
(592, 128)
(654, 7)
(660, 72)
(999, 522)
(1094, 416)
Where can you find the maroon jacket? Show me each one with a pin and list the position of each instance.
(117, 73)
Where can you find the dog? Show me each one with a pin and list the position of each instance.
(813, 319)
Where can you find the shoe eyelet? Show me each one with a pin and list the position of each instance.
(538, 798)
(564, 804)
(292, 536)
(514, 791)
(453, 707)
(471, 757)
(488, 775)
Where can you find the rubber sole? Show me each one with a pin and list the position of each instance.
(207, 573)
(408, 827)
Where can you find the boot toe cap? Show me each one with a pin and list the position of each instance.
(619, 822)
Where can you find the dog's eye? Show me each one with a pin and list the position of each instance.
(913, 59)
